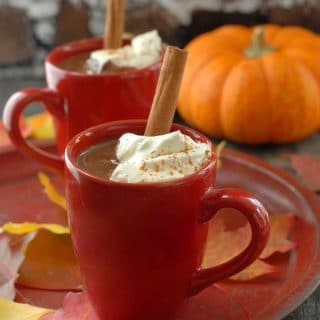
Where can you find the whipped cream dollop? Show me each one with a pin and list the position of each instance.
(143, 51)
(158, 158)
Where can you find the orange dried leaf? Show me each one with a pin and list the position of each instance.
(281, 226)
(223, 245)
(50, 263)
(56, 268)
(308, 168)
(4, 138)
(257, 269)
(51, 192)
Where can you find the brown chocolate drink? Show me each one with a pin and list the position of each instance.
(100, 159)
(79, 63)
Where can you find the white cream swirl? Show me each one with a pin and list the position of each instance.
(144, 50)
(158, 158)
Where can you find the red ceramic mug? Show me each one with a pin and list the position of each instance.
(78, 101)
(140, 245)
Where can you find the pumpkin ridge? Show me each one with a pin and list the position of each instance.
(305, 57)
(290, 33)
(197, 105)
(301, 104)
(222, 91)
(195, 74)
(243, 110)
(271, 109)
(316, 116)
(231, 34)
(195, 60)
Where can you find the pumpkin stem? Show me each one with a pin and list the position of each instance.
(258, 46)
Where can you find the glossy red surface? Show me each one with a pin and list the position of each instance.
(141, 244)
(78, 101)
(266, 298)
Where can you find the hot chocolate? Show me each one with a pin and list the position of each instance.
(100, 159)
(80, 63)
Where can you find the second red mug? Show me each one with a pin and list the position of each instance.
(140, 245)
(78, 101)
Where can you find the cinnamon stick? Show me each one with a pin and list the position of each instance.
(114, 25)
(164, 102)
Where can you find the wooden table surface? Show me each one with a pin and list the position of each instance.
(273, 154)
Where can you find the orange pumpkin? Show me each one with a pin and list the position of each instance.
(253, 85)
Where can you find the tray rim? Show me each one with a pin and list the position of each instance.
(289, 303)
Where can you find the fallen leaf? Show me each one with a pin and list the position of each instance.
(281, 226)
(223, 245)
(56, 268)
(10, 310)
(219, 150)
(27, 227)
(4, 138)
(255, 270)
(308, 169)
(12, 254)
(76, 306)
(41, 125)
(50, 263)
(51, 192)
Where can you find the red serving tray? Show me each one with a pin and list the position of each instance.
(268, 297)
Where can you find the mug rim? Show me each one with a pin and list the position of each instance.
(76, 171)
(89, 44)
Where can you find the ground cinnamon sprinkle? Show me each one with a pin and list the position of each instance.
(185, 149)
(143, 166)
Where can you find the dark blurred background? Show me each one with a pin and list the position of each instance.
(30, 28)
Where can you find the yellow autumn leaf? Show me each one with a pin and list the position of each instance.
(10, 310)
(219, 150)
(41, 125)
(51, 192)
(54, 269)
(27, 227)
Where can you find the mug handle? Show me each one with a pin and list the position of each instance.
(53, 103)
(257, 216)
